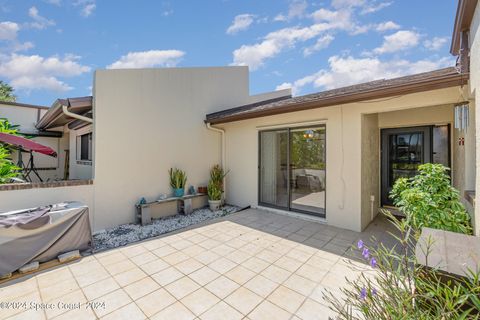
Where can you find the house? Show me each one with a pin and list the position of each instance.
(330, 156)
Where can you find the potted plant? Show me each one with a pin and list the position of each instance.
(214, 195)
(178, 180)
(217, 174)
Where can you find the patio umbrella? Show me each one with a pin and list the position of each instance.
(26, 144)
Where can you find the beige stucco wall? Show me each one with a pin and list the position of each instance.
(79, 169)
(344, 149)
(370, 181)
(148, 120)
(475, 94)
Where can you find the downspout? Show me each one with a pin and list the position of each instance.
(74, 115)
(223, 151)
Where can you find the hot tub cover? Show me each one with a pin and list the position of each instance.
(41, 234)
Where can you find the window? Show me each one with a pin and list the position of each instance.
(84, 147)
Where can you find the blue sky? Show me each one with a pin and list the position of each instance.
(50, 48)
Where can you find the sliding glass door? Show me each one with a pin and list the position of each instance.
(292, 169)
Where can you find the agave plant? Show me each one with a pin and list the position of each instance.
(178, 178)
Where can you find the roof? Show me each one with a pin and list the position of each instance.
(463, 20)
(25, 105)
(438, 79)
(56, 118)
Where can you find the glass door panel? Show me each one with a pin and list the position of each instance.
(307, 170)
(273, 189)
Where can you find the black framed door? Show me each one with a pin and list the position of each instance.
(291, 171)
(403, 150)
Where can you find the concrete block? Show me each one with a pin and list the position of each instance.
(68, 256)
(32, 266)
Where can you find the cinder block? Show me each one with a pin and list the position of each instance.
(32, 266)
(68, 256)
(5, 276)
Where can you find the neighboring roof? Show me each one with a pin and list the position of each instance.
(438, 79)
(25, 105)
(56, 118)
(463, 20)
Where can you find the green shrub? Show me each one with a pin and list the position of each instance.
(8, 170)
(396, 287)
(216, 176)
(178, 178)
(214, 191)
(429, 200)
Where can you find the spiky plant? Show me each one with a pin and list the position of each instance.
(178, 178)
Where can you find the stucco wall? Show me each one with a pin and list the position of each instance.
(344, 150)
(148, 120)
(475, 92)
(79, 169)
(370, 168)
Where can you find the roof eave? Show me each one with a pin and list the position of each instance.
(413, 87)
(463, 19)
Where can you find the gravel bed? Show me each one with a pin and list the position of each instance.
(127, 233)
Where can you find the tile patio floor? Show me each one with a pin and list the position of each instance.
(249, 265)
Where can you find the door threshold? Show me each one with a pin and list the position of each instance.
(303, 216)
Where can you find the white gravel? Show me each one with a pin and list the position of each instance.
(128, 233)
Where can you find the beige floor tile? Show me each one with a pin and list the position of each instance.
(236, 243)
(193, 250)
(155, 302)
(81, 268)
(288, 264)
(207, 257)
(167, 276)
(128, 312)
(181, 244)
(299, 255)
(83, 313)
(286, 299)
(132, 251)
(223, 250)
(209, 244)
(51, 277)
(59, 289)
(312, 310)
(197, 238)
(176, 311)
(175, 258)
(300, 284)
(204, 275)
(188, 266)
(255, 264)
(100, 288)
(130, 276)
(240, 274)
(141, 288)
(222, 287)
(63, 303)
(238, 256)
(319, 293)
(172, 238)
(182, 287)
(92, 277)
(112, 301)
(200, 301)
(164, 251)
(243, 300)
(268, 255)
(267, 310)
(29, 297)
(154, 266)
(119, 267)
(276, 274)
(221, 311)
(261, 285)
(112, 258)
(311, 273)
(222, 265)
(18, 288)
(143, 258)
(153, 244)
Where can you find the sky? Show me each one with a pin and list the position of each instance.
(49, 49)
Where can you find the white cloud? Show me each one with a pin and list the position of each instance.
(400, 40)
(296, 9)
(348, 3)
(386, 26)
(148, 59)
(436, 43)
(322, 43)
(39, 22)
(87, 7)
(36, 72)
(273, 43)
(344, 71)
(8, 30)
(240, 23)
(374, 7)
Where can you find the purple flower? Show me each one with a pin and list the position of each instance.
(374, 292)
(363, 293)
(366, 253)
(360, 244)
(373, 262)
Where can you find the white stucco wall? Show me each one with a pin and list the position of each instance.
(475, 91)
(79, 169)
(344, 150)
(148, 120)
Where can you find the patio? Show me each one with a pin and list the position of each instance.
(249, 265)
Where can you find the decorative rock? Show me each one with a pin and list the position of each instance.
(32, 266)
(72, 255)
(5, 276)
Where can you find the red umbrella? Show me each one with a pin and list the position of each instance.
(26, 144)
